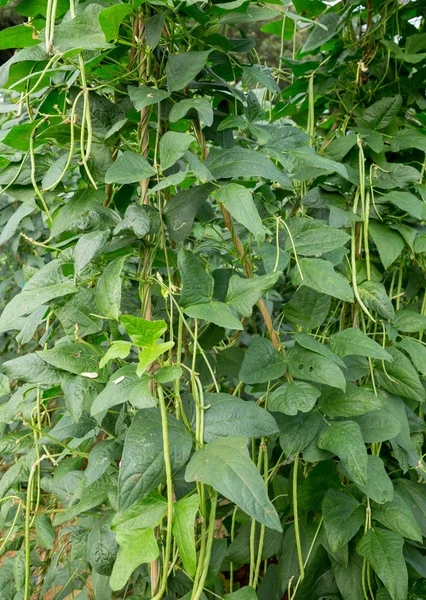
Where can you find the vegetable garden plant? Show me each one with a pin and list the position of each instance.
(213, 292)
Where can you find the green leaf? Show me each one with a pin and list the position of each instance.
(32, 369)
(344, 439)
(173, 146)
(245, 593)
(84, 32)
(354, 401)
(202, 106)
(262, 362)
(45, 533)
(124, 386)
(298, 432)
(322, 32)
(43, 287)
(75, 358)
(129, 168)
(181, 210)
(383, 550)
(101, 548)
(248, 164)
(304, 364)
(349, 577)
(88, 247)
(143, 333)
(307, 308)
(307, 159)
(227, 467)
(90, 497)
(379, 486)
(381, 113)
(182, 68)
(292, 397)
(118, 349)
(375, 297)
(82, 202)
(144, 514)
(197, 284)
(320, 276)
(229, 416)
(100, 458)
(108, 289)
(310, 343)
(343, 516)
(12, 225)
(137, 546)
(312, 237)
(184, 513)
(352, 341)
(407, 203)
(389, 243)
(144, 96)
(20, 36)
(149, 355)
(409, 321)
(401, 378)
(214, 312)
(397, 516)
(142, 467)
(416, 351)
(244, 293)
(378, 426)
(110, 19)
(78, 309)
(239, 202)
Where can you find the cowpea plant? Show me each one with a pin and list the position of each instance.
(213, 286)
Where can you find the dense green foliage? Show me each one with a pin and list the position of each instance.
(213, 274)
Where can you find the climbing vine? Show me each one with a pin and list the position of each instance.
(213, 301)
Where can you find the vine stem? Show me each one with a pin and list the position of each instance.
(247, 267)
(208, 551)
(296, 518)
(169, 486)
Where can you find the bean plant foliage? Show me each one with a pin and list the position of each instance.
(214, 301)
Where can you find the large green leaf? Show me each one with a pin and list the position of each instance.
(200, 105)
(292, 397)
(355, 400)
(248, 164)
(344, 439)
(108, 289)
(322, 32)
(83, 32)
(229, 416)
(389, 243)
(401, 377)
(137, 546)
(197, 284)
(239, 202)
(184, 513)
(381, 113)
(353, 341)
(75, 358)
(383, 550)
(182, 68)
(124, 386)
(173, 145)
(304, 364)
(307, 308)
(144, 96)
(44, 286)
(409, 321)
(378, 426)
(182, 208)
(227, 467)
(320, 276)
(214, 312)
(312, 237)
(343, 516)
(262, 362)
(142, 467)
(129, 168)
(375, 297)
(244, 293)
(397, 516)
